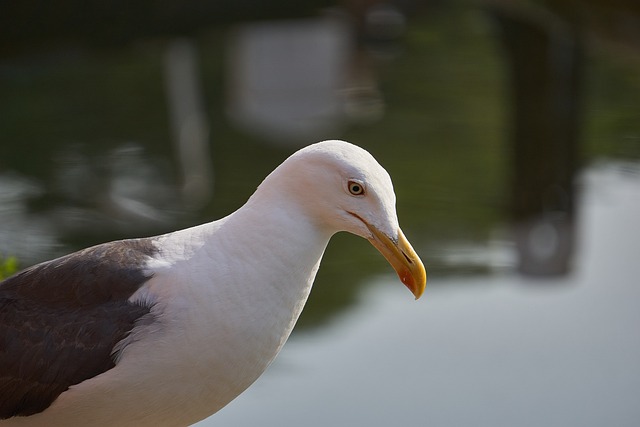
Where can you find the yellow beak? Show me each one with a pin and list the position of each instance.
(402, 258)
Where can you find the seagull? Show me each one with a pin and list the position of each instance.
(167, 330)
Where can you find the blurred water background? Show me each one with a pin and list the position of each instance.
(511, 130)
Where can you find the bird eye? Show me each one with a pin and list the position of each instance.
(355, 188)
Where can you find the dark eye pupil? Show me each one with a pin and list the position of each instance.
(356, 189)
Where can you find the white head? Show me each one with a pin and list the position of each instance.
(341, 187)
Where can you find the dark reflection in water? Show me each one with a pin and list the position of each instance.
(158, 134)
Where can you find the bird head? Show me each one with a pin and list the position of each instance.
(343, 188)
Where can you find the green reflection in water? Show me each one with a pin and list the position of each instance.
(442, 137)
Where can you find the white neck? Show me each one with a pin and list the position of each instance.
(279, 250)
(263, 258)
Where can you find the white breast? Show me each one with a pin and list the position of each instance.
(224, 304)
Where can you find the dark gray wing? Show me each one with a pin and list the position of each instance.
(60, 320)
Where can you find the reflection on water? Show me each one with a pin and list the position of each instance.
(119, 192)
(495, 255)
(97, 145)
(22, 233)
(285, 78)
(493, 351)
(189, 122)
(121, 189)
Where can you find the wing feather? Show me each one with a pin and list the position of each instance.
(60, 320)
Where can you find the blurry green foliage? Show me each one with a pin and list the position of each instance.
(8, 266)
